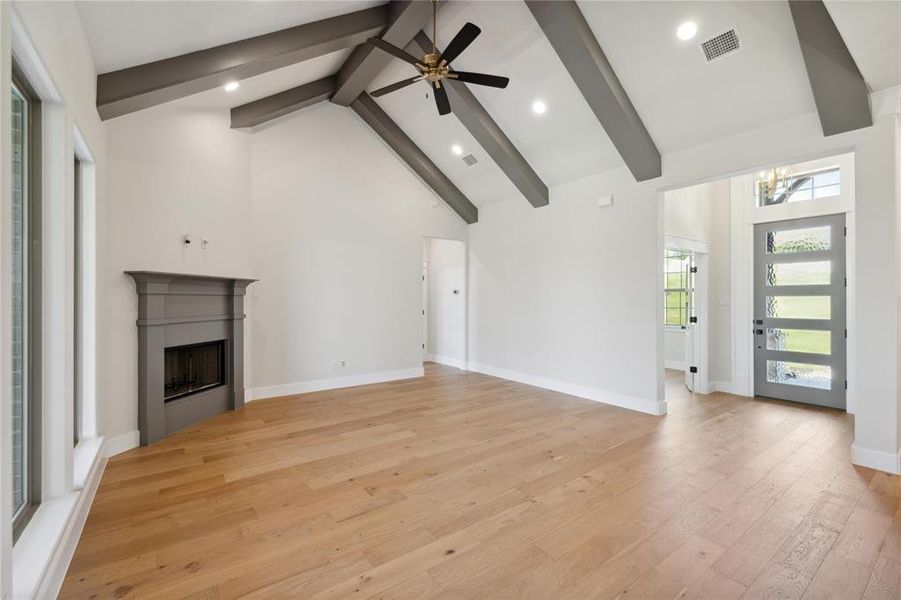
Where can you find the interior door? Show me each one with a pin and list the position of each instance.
(692, 340)
(799, 308)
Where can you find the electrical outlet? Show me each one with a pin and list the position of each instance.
(397, 358)
(339, 364)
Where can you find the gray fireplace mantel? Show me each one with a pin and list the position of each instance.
(178, 309)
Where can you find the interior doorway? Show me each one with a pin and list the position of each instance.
(695, 250)
(444, 302)
(685, 273)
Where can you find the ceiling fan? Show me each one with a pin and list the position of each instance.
(435, 67)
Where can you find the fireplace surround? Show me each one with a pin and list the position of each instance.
(190, 349)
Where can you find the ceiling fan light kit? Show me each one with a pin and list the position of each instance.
(435, 66)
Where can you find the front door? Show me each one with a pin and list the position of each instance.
(799, 310)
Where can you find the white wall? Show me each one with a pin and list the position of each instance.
(688, 212)
(337, 247)
(172, 171)
(447, 302)
(719, 358)
(674, 348)
(569, 294)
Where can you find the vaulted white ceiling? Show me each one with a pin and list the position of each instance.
(872, 32)
(125, 33)
(682, 99)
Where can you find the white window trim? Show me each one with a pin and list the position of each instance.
(35, 567)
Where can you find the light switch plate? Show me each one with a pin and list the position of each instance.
(605, 201)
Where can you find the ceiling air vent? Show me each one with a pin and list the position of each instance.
(721, 45)
(470, 160)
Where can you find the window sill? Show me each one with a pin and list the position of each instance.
(673, 329)
(84, 455)
(46, 544)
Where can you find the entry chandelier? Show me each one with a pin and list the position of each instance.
(770, 180)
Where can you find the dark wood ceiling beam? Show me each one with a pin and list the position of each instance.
(488, 134)
(275, 106)
(415, 158)
(407, 17)
(839, 90)
(568, 32)
(136, 88)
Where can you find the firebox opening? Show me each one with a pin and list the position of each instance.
(194, 368)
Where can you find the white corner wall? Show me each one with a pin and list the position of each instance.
(336, 241)
(172, 171)
(447, 302)
(566, 296)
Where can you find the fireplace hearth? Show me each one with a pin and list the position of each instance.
(190, 349)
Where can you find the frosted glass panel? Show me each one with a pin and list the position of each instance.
(798, 307)
(800, 374)
(799, 273)
(799, 240)
(799, 340)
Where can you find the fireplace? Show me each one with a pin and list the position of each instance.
(193, 368)
(190, 349)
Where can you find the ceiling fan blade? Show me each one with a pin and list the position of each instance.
(441, 98)
(480, 79)
(461, 41)
(394, 51)
(394, 87)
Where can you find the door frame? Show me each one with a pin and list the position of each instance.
(745, 215)
(701, 250)
(463, 362)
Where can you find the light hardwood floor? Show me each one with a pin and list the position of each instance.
(460, 485)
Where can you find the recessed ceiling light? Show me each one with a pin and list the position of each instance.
(539, 107)
(687, 30)
(456, 149)
(231, 86)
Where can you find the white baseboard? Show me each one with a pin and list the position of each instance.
(677, 365)
(41, 557)
(876, 459)
(446, 360)
(650, 407)
(721, 386)
(121, 443)
(334, 383)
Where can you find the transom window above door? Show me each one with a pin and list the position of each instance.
(781, 185)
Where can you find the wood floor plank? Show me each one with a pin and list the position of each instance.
(461, 485)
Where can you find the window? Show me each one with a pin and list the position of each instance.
(24, 218)
(678, 288)
(780, 186)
